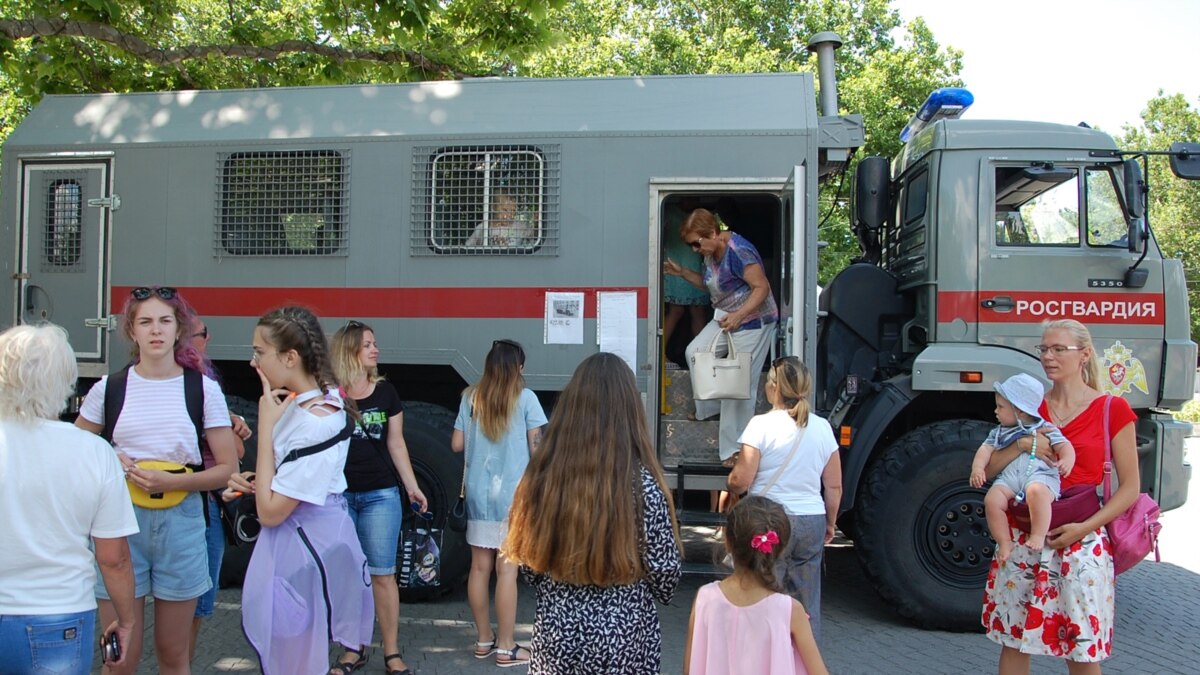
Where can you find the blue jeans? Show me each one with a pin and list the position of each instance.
(376, 515)
(214, 536)
(47, 643)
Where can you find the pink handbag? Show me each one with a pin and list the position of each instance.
(1134, 533)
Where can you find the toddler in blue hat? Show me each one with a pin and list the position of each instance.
(1027, 478)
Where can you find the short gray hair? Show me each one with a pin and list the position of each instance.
(37, 372)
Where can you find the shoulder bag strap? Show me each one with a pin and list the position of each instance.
(1108, 465)
(786, 462)
(323, 445)
(114, 400)
(462, 489)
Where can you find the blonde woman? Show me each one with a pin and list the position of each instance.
(499, 423)
(789, 455)
(1059, 601)
(594, 527)
(377, 461)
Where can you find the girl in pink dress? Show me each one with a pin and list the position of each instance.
(743, 623)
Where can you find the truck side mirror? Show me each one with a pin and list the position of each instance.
(1135, 203)
(871, 198)
(1185, 160)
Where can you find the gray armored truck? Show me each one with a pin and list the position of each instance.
(381, 203)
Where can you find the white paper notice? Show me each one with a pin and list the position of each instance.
(564, 318)
(616, 325)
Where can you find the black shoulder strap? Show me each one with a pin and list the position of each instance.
(323, 445)
(114, 400)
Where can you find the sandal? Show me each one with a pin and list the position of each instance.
(345, 668)
(512, 656)
(485, 649)
(392, 671)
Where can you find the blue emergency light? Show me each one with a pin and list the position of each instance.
(946, 103)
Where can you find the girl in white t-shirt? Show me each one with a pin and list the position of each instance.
(170, 558)
(789, 455)
(307, 580)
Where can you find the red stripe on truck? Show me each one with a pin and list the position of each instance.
(398, 303)
(1100, 307)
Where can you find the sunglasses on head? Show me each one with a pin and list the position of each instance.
(144, 292)
(353, 324)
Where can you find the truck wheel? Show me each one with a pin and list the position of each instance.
(427, 429)
(922, 537)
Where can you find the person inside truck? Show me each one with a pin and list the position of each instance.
(505, 226)
(681, 299)
(1027, 479)
(156, 441)
(741, 296)
(1059, 601)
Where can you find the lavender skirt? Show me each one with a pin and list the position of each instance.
(307, 584)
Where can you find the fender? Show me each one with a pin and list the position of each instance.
(892, 398)
(938, 366)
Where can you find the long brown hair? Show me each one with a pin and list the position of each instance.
(495, 396)
(578, 512)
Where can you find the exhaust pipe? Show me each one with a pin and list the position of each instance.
(823, 44)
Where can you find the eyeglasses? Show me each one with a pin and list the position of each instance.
(202, 334)
(696, 244)
(1058, 350)
(144, 292)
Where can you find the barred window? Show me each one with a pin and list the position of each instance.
(283, 203)
(62, 246)
(497, 200)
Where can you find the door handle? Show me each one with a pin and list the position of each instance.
(1001, 303)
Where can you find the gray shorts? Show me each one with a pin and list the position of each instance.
(1013, 475)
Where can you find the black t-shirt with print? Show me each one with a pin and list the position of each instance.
(365, 467)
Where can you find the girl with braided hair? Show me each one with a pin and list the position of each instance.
(744, 623)
(307, 580)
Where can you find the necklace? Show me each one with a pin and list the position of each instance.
(1061, 420)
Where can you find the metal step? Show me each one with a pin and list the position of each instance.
(697, 517)
(705, 569)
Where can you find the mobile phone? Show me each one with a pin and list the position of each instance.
(110, 648)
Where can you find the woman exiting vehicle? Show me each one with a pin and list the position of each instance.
(498, 425)
(376, 467)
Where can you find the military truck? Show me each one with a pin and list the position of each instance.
(381, 203)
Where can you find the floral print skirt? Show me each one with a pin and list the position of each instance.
(1053, 602)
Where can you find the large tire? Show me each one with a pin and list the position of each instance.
(427, 429)
(922, 535)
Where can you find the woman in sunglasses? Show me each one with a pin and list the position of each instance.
(155, 439)
(743, 306)
(789, 455)
(499, 423)
(377, 466)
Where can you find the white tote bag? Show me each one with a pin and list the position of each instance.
(715, 377)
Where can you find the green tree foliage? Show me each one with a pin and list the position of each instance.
(885, 68)
(1174, 206)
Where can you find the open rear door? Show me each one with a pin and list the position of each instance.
(797, 263)
(64, 232)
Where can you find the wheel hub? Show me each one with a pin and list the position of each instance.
(954, 542)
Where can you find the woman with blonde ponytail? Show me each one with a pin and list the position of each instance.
(788, 455)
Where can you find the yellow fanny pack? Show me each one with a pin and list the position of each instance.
(158, 500)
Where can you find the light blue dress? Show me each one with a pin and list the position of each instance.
(495, 467)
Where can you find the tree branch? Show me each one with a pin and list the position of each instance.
(132, 44)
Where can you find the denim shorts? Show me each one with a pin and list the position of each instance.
(170, 557)
(47, 643)
(376, 515)
(215, 537)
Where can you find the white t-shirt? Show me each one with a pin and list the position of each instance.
(154, 421)
(799, 488)
(310, 479)
(61, 486)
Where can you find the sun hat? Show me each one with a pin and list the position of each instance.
(1024, 391)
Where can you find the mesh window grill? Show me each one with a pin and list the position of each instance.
(283, 203)
(486, 200)
(62, 241)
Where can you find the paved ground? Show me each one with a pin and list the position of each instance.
(1158, 627)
